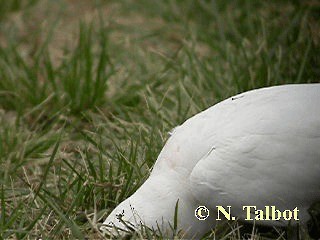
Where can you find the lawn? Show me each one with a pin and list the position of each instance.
(90, 89)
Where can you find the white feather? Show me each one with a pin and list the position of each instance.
(260, 148)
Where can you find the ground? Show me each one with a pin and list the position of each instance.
(90, 89)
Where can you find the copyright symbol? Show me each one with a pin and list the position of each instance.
(202, 213)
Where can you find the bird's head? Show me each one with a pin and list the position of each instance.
(155, 205)
(151, 206)
(122, 220)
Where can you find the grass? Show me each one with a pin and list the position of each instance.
(89, 91)
(7, 7)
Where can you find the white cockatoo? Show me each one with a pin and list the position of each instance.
(259, 148)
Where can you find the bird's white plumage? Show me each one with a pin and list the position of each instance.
(260, 148)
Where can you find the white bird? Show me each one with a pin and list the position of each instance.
(259, 148)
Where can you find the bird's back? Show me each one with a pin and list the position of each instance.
(261, 147)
